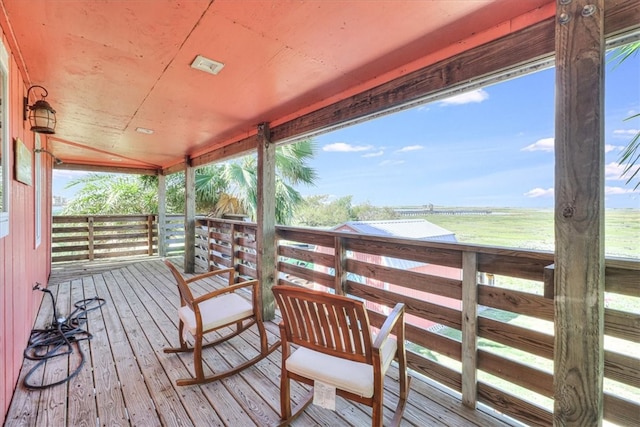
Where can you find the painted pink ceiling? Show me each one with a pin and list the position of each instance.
(113, 66)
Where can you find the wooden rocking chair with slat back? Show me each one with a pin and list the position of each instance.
(336, 346)
(213, 311)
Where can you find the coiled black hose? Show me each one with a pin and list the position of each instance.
(60, 338)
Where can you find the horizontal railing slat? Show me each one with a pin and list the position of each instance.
(433, 312)
(521, 410)
(622, 368)
(517, 373)
(423, 282)
(516, 302)
(317, 258)
(622, 324)
(621, 411)
(528, 340)
(412, 250)
(438, 372)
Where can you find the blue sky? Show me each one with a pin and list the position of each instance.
(488, 147)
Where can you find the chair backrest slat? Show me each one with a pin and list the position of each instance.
(333, 324)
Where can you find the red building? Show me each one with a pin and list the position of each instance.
(415, 229)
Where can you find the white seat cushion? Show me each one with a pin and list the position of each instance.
(347, 375)
(223, 310)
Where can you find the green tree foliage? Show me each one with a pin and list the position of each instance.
(320, 211)
(221, 188)
(368, 212)
(111, 194)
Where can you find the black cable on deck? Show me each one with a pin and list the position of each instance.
(60, 338)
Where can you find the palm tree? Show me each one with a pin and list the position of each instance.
(630, 156)
(236, 185)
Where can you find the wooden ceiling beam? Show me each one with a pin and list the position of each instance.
(106, 169)
(479, 64)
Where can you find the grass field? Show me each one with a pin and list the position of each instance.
(533, 229)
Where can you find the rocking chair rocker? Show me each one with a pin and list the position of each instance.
(213, 311)
(336, 347)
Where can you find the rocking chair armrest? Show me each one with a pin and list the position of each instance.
(226, 290)
(210, 274)
(389, 325)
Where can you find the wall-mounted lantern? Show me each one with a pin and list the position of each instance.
(41, 116)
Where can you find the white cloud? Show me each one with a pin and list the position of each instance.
(476, 96)
(609, 148)
(547, 145)
(613, 191)
(544, 144)
(539, 192)
(626, 132)
(410, 148)
(375, 154)
(391, 162)
(613, 171)
(346, 148)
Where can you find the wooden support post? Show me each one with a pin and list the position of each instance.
(340, 266)
(469, 329)
(266, 219)
(235, 260)
(549, 281)
(579, 213)
(189, 217)
(90, 238)
(162, 215)
(150, 222)
(210, 261)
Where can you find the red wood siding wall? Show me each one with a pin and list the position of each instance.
(21, 264)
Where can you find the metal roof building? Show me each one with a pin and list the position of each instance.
(411, 228)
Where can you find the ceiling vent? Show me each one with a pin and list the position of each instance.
(207, 65)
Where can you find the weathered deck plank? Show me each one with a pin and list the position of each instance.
(158, 385)
(134, 380)
(138, 403)
(110, 406)
(160, 334)
(52, 410)
(81, 409)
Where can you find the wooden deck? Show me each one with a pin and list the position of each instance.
(128, 380)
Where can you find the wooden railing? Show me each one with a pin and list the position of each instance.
(480, 318)
(89, 237)
(174, 235)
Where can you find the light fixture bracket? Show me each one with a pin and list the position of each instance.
(42, 150)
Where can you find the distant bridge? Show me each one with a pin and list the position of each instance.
(429, 210)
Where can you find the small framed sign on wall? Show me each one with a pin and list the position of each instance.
(24, 163)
